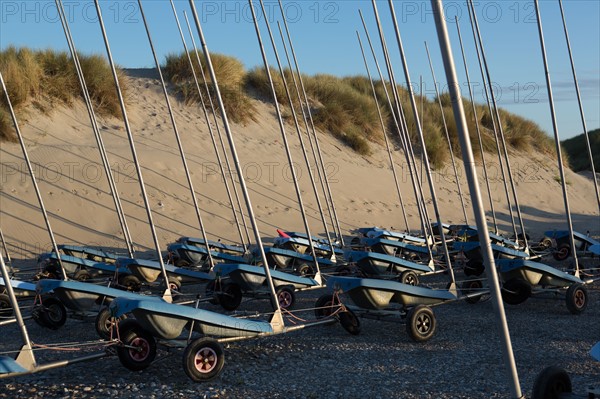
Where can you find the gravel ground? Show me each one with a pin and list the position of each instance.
(462, 360)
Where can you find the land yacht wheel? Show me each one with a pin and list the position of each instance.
(53, 313)
(350, 322)
(409, 277)
(203, 359)
(515, 291)
(421, 323)
(577, 298)
(551, 383)
(230, 297)
(138, 348)
(286, 297)
(5, 306)
(326, 305)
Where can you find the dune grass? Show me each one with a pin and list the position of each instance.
(47, 78)
(6, 126)
(346, 108)
(231, 76)
(342, 106)
(577, 151)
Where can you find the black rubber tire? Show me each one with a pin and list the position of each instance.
(421, 323)
(515, 291)
(174, 284)
(545, 243)
(323, 303)
(470, 287)
(230, 296)
(82, 275)
(305, 270)
(175, 287)
(6, 309)
(53, 313)
(350, 322)
(130, 282)
(473, 268)
(550, 383)
(104, 323)
(133, 335)
(286, 297)
(562, 252)
(409, 277)
(577, 298)
(203, 359)
(36, 315)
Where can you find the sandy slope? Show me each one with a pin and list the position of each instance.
(76, 194)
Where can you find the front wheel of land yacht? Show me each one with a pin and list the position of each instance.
(562, 252)
(203, 359)
(474, 268)
(82, 275)
(175, 287)
(230, 297)
(350, 322)
(130, 282)
(421, 323)
(104, 323)
(577, 298)
(305, 270)
(286, 297)
(138, 348)
(326, 305)
(551, 383)
(409, 277)
(5, 306)
(471, 287)
(515, 291)
(52, 314)
(545, 243)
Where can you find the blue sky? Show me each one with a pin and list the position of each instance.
(325, 41)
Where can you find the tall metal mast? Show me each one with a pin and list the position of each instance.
(282, 127)
(167, 295)
(383, 130)
(501, 132)
(422, 139)
(583, 123)
(33, 179)
(321, 163)
(178, 139)
(225, 156)
(310, 173)
(94, 122)
(471, 173)
(474, 108)
(277, 319)
(437, 94)
(561, 167)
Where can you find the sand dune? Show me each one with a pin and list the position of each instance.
(81, 210)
